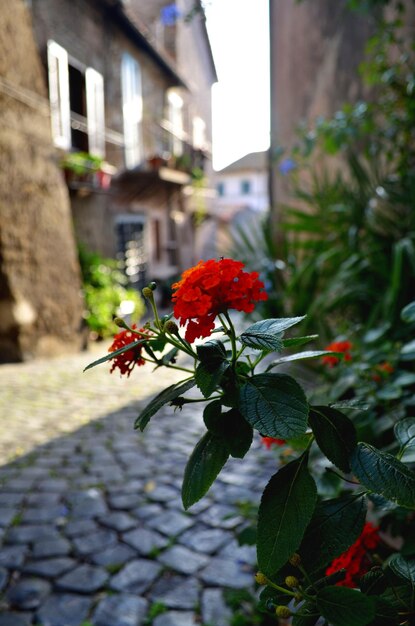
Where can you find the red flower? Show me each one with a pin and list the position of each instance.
(127, 360)
(337, 346)
(382, 370)
(270, 441)
(210, 288)
(356, 560)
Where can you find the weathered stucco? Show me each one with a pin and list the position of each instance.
(316, 49)
(40, 297)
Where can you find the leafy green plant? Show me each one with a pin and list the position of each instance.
(105, 289)
(314, 552)
(81, 163)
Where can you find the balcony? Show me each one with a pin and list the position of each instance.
(85, 173)
(173, 150)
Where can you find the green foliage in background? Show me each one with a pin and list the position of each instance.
(105, 287)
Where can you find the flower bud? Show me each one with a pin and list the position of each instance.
(171, 327)
(282, 611)
(261, 579)
(291, 581)
(295, 560)
(147, 293)
(153, 286)
(120, 322)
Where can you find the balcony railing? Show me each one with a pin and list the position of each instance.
(172, 149)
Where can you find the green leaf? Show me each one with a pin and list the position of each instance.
(299, 356)
(405, 568)
(373, 582)
(167, 395)
(335, 526)
(237, 432)
(356, 404)
(213, 365)
(212, 352)
(407, 352)
(309, 615)
(205, 463)
(158, 344)
(275, 405)
(384, 474)
(286, 508)
(408, 313)
(296, 342)
(267, 334)
(405, 432)
(212, 415)
(112, 355)
(385, 613)
(345, 607)
(398, 597)
(335, 434)
(231, 426)
(208, 379)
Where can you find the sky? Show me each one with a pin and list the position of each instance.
(238, 32)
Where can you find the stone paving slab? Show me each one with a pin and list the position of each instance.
(92, 529)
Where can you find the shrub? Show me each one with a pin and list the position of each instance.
(106, 293)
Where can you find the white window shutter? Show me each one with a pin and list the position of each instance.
(59, 95)
(199, 133)
(95, 111)
(132, 109)
(176, 122)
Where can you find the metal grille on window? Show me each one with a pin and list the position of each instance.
(132, 252)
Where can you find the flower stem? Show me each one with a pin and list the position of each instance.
(232, 338)
(281, 589)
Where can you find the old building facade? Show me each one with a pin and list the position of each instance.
(129, 84)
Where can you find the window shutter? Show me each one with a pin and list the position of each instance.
(132, 109)
(199, 133)
(95, 112)
(176, 122)
(59, 95)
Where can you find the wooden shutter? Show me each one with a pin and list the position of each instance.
(59, 95)
(132, 109)
(95, 111)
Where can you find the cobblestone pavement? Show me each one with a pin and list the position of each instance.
(92, 527)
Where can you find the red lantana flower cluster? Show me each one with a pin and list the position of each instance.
(337, 346)
(129, 359)
(210, 288)
(272, 441)
(382, 370)
(356, 560)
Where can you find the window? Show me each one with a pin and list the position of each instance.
(131, 248)
(220, 188)
(76, 98)
(132, 109)
(199, 133)
(175, 117)
(245, 187)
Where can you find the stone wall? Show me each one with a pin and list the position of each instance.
(40, 297)
(317, 47)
